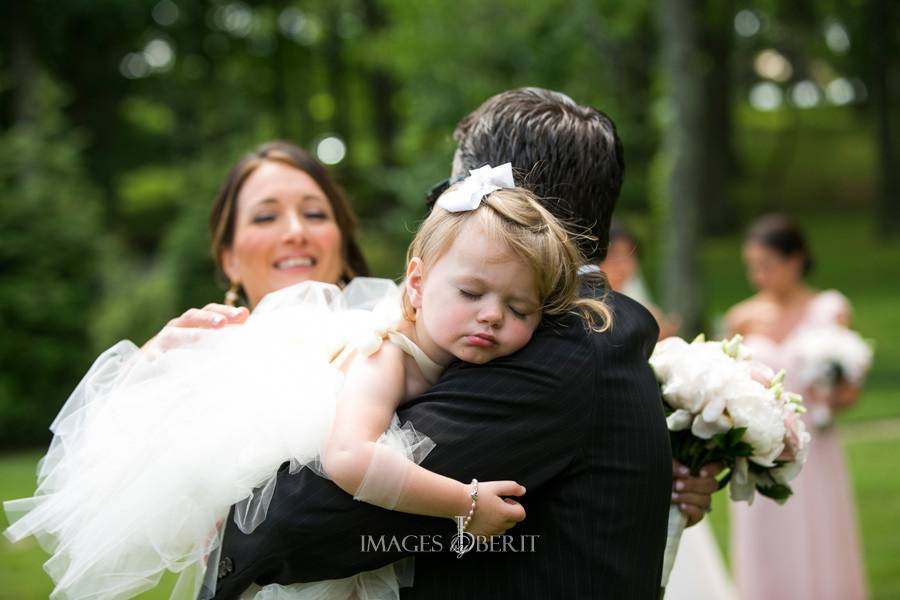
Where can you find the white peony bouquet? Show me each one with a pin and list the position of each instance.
(723, 407)
(828, 356)
(831, 355)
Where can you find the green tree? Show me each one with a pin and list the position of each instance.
(49, 261)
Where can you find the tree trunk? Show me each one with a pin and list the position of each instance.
(382, 87)
(24, 64)
(884, 61)
(682, 66)
(715, 140)
(336, 74)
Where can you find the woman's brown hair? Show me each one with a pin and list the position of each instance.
(222, 215)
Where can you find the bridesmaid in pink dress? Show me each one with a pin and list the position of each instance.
(808, 547)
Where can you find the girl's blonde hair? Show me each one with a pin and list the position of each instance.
(515, 217)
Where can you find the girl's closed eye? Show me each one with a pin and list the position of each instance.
(519, 314)
(316, 215)
(469, 295)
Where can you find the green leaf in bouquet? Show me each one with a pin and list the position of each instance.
(734, 437)
(778, 492)
(720, 440)
(727, 478)
(742, 449)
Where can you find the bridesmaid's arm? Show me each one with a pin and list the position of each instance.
(845, 395)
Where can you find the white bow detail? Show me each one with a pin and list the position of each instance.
(476, 186)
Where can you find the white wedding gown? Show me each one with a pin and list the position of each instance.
(699, 572)
(153, 447)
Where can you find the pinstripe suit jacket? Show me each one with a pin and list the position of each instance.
(574, 416)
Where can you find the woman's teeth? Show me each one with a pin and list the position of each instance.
(290, 263)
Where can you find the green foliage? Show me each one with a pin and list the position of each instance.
(148, 149)
(49, 253)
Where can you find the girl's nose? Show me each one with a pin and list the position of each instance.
(491, 313)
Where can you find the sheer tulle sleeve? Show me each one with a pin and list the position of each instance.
(385, 480)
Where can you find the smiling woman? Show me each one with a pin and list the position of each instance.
(279, 220)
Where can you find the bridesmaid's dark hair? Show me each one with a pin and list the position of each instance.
(779, 233)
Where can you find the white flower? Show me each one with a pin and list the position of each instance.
(714, 388)
(704, 429)
(820, 348)
(666, 353)
(679, 420)
(796, 445)
(754, 407)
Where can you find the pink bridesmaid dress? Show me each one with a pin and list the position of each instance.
(807, 548)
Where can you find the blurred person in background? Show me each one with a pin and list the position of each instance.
(808, 547)
(622, 266)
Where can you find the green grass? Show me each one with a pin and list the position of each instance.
(21, 574)
(873, 462)
(872, 458)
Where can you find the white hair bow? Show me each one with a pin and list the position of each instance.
(476, 186)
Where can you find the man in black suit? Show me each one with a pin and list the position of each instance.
(575, 417)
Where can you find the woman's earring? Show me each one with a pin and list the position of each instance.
(231, 296)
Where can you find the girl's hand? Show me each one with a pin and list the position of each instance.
(180, 330)
(494, 514)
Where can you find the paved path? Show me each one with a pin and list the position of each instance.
(870, 431)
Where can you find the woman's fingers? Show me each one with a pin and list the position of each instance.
(173, 337)
(183, 330)
(694, 514)
(701, 502)
(233, 314)
(197, 318)
(211, 316)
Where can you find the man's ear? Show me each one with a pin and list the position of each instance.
(230, 265)
(415, 278)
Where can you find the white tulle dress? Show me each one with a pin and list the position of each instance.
(153, 447)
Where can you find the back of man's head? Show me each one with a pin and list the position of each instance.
(567, 154)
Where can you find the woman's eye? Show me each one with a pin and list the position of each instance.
(316, 215)
(469, 295)
(263, 218)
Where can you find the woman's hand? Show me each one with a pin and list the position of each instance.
(494, 514)
(844, 395)
(693, 495)
(211, 316)
(182, 330)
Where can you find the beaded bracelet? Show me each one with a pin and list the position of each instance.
(474, 496)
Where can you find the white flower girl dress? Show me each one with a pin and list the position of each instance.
(153, 447)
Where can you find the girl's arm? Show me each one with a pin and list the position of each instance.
(372, 472)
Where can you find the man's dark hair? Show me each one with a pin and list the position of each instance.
(567, 154)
